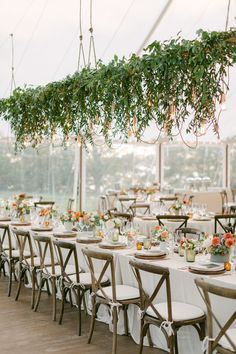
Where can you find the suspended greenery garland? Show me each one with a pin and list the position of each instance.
(173, 82)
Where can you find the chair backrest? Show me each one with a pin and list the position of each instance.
(66, 254)
(125, 216)
(224, 201)
(45, 251)
(107, 262)
(145, 207)
(206, 288)
(6, 238)
(70, 203)
(147, 300)
(182, 219)
(44, 203)
(230, 220)
(233, 191)
(126, 202)
(26, 251)
(189, 232)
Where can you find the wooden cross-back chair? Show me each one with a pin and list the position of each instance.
(181, 219)
(44, 203)
(77, 283)
(28, 262)
(189, 232)
(224, 341)
(143, 207)
(49, 270)
(226, 221)
(224, 201)
(114, 296)
(126, 203)
(169, 316)
(9, 255)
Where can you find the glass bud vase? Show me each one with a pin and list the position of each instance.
(190, 255)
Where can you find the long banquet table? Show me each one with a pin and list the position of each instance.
(183, 290)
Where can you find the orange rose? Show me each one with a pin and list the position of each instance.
(77, 215)
(157, 227)
(229, 242)
(215, 241)
(165, 234)
(228, 235)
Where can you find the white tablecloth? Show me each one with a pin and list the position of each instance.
(183, 290)
(145, 227)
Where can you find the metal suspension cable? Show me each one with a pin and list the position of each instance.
(157, 22)
(13, 82)
(91, 40)
(81, 47)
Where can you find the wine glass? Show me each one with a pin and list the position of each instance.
(233, 261)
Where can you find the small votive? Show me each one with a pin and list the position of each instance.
(147, 243)
(227, 266)
(139, 246)
(115, 236)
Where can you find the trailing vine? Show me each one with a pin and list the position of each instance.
(175, 83)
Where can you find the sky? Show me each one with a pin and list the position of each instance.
(46, 35)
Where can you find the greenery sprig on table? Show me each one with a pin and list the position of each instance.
(174, 83)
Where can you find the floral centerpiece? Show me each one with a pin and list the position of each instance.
(21, 207)
(160, 233)
(188, 247)
(219, 246)
(177, 206)
(93, 221)
(45, 216)
(69, 218)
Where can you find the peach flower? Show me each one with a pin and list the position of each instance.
(165, 234)
(228, 235)
(157, 227)
(229, 242)
(215, 241)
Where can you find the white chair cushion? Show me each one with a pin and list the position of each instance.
(15, 253)
(47, 261)
(224, 341)
(123, 292)
(180, 311)
(85, 278)
(70, 269)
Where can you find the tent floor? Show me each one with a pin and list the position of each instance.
(22, 331)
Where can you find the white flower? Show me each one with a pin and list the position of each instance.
(110, 224)
(106, 217)
(207, 242)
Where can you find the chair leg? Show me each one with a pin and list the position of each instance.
(114, 321)
(176, 343)
(143, 330)
(126, 322)
(92, 321)
(33, 288)
(21, 277)
(84, 303)
(63, 295)
(78, 304)
(10, 279)
(70, 297)
(41, 284)
(54, 299)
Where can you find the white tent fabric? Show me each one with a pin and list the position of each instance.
(46, 36)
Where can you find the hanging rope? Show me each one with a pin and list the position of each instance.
(13, 82)
(91, 41)
(81, 46)
(227, 16)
